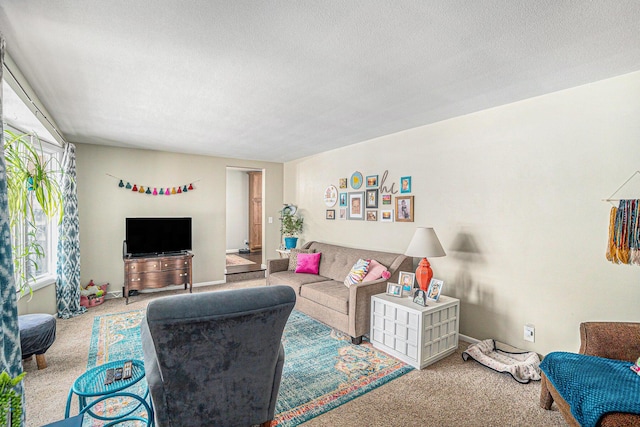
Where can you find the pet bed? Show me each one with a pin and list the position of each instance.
(523, 366)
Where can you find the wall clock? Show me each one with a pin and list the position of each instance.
(356, 180)
(330, 196)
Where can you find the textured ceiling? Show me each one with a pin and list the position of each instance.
(280, 80)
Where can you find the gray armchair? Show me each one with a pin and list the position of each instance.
(216, 358)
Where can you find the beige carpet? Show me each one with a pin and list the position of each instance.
(448, 393)
(237, 260)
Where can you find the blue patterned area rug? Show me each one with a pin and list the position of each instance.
(322, 370)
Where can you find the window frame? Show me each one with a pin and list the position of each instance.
(51, 249)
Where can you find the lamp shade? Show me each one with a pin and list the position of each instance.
(424, 244)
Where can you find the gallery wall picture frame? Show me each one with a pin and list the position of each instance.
(372, 215)
(394, 289)
(386, 199)
(330, 196)
(372, 181)
(404, 209)
(434, 290)
(356, 180)
(342, 213)
(331, 214)
(386, 215)
(342, 197)
(405, 184)
(372, 198)
(343, 183)
(355, 209)
(407, 280)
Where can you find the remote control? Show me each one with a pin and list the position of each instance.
(109, 378)
(126, 370)
(118, 374)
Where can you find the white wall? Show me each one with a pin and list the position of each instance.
(514, 194)
(103, 206)
(237, 208)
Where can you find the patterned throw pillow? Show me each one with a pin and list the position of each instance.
(375, 271)
(357, 273)
(293, 257)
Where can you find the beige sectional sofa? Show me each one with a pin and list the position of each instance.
(325, 296)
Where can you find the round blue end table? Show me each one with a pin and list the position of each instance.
(91, 390)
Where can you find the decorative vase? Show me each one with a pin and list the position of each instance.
(290, 242)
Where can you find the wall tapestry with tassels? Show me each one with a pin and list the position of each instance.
(624, 233)
(624, 229)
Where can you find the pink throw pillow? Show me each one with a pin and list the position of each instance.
(375, 271)
(308, 263)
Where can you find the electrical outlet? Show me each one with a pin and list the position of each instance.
(529, 333)
(270, 220)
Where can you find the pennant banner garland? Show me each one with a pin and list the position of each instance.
(157, 191)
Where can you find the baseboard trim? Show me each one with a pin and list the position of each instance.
(468, 339)
(233, 251)
(118, 294)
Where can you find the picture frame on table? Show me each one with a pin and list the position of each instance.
(404, 209)
(394, 289)
(405, 184)
(355, 208)
(372, 181)
(386, 215)
(420, 297)
(331, 214)
(434, 290)
(372, 198)
(407, 280)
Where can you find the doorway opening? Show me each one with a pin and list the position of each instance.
(244, 219)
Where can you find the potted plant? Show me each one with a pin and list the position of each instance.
(291, 228)
(32, 179)
(10, 400)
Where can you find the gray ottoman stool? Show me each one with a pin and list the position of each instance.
(37, 333)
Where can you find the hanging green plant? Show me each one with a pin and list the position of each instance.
(10, 399)
(32, 178)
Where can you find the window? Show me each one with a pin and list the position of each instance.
(40, 271)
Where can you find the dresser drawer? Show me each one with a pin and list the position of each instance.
(144, 266)
(171, 263)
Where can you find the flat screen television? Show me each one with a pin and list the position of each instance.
(153, 236)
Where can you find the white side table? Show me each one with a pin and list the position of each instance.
(284, 253)
(419, 336)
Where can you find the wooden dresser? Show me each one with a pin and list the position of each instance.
(157, 272)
